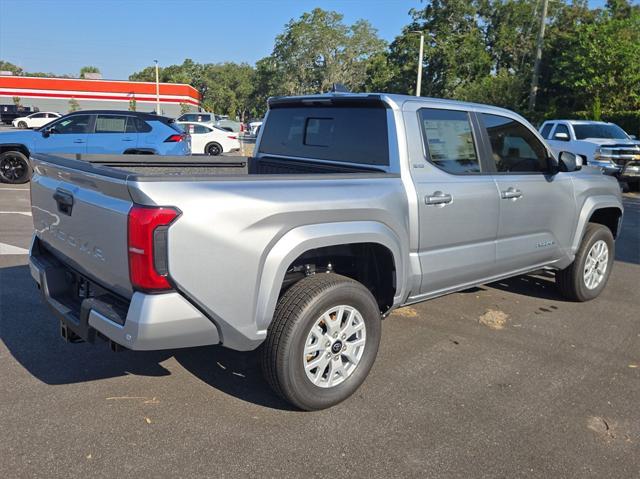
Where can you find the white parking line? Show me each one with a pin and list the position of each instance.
(14, 189)
(9, 249)
(25, 213)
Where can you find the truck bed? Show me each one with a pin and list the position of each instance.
(155, 167)
(232, 210)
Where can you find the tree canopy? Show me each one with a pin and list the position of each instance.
(88, 69)
(475, 50)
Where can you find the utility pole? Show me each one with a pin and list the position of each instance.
(420, 59)
(157, 89)
(538, 57)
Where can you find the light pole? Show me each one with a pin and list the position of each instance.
(536, 65)
(157, 89)
(420, 59)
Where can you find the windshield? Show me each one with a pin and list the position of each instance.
(599, 131)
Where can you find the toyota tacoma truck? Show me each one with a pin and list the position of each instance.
(303, 248)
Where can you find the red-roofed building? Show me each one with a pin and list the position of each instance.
(55, 94)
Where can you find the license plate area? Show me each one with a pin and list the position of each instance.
(72, 296)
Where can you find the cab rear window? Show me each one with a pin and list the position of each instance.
(346, 134)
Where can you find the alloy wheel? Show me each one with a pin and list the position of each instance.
(334, 346)
(12, 168)
(596, 264)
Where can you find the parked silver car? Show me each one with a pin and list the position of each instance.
(320, 236)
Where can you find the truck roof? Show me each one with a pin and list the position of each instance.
(393, 97)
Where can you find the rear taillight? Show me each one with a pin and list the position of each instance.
(147, 245)
(233, 137)
(175, 138)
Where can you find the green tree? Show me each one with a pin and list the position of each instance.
(597, 66)
(133, 104)
(147, 74)
(16, 101)
(455, 52)
(318, 49)
(184, 108)
(73, 105)
(501, 89)
(10, 67)
(88, 69)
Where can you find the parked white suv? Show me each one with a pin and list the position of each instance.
(598, 143)
(35, 120)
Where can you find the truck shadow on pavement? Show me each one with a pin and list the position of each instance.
(540, 285)
(232, 372)
(30, 332)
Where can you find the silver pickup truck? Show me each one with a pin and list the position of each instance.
(352, 205)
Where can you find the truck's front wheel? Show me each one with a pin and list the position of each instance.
(587, 276)
(322, 342)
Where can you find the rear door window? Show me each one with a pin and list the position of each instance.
(110, 124)
(200, 129)
(345, 134)
(449, 139)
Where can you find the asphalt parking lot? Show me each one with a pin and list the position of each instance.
(506, 380)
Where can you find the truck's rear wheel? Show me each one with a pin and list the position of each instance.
(14, 167)
(587, 276)
(322, 342)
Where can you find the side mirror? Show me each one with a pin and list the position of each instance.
(561, 137)
(568, 161)
(633, 137)
(46, 132)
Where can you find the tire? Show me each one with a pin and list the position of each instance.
(573, 281)
(22, 124)
(213, 149)
(15, 167)
(298, 311)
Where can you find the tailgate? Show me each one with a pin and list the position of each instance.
(80, 214)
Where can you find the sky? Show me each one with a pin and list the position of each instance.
(121, 37)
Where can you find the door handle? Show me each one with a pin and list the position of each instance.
(127, 139)
(79, 141)
(64, 199)
(438, 198)
(511, 194)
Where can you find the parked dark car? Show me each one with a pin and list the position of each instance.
(8, 113)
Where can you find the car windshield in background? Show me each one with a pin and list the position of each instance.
(342, 134)
(599, 131)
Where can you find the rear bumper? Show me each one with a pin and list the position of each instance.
(146, 322)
